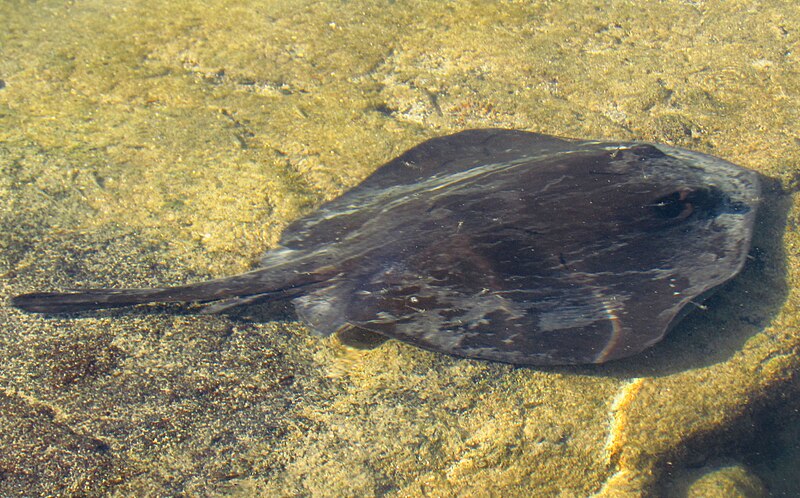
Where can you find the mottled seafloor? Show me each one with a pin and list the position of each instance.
(148, 143)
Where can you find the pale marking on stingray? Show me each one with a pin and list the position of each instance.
(616, 333)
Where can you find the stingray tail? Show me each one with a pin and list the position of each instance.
(83, 300)
(225, 292)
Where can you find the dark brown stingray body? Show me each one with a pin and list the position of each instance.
(501, 245)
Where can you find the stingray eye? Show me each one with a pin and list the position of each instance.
(676, 205)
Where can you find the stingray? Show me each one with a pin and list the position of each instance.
(500, 245)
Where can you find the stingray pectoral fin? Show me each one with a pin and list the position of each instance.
(359, 338)
(323, 310)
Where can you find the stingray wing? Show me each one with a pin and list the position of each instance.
(558, 318)
(528, 249)
(578, 256)
(436, 158)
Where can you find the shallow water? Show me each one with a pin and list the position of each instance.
(144, 143)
